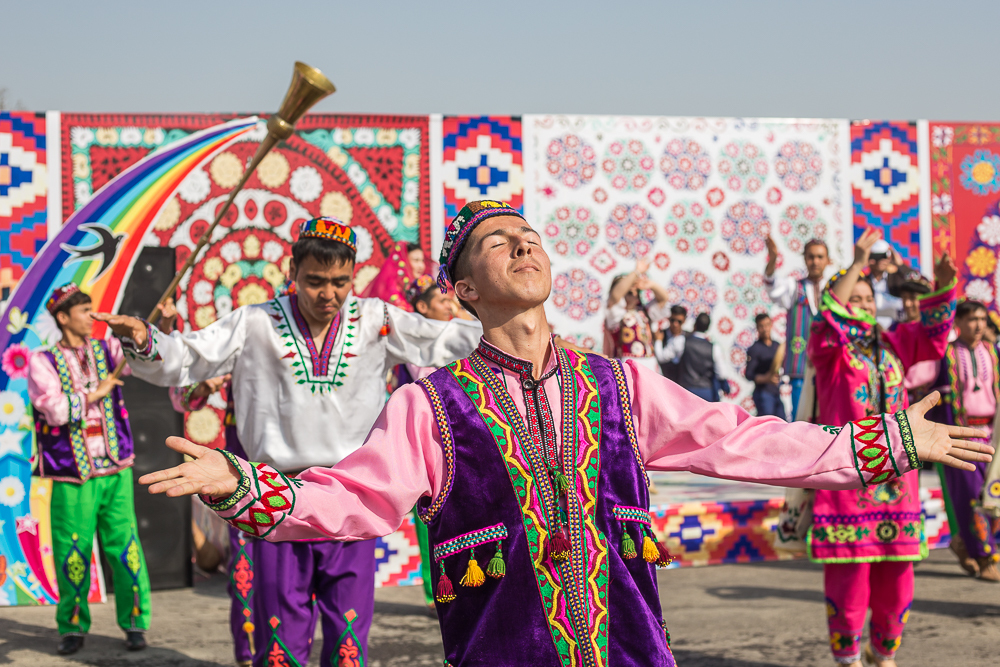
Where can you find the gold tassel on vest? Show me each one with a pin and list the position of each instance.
(474, 574)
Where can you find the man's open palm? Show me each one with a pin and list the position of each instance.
(209, 474)
(940, 443)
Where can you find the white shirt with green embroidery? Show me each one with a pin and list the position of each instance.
(294, 411)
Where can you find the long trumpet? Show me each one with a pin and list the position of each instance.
(308, 87)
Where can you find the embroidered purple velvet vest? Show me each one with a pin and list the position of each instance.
(62, 451)
(593, 606)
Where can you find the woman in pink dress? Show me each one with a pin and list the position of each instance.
(868, 539)
(403, 265)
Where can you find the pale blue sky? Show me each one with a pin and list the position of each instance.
(853, 59)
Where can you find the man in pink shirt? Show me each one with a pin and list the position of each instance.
(533, 459)
(85, 447)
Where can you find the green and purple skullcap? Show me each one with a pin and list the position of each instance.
(459, 230)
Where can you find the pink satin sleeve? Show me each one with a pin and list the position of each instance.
(45, 391)
(370, 492)
(677, 430)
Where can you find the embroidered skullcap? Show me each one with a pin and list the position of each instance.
(461, 227)
(418, 288)
(59, 296)
(330, 229)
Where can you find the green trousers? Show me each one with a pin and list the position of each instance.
(104, 504)
(425, 557)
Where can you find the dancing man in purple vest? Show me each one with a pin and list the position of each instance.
(85, 447)
(529, 465)
(800, 298)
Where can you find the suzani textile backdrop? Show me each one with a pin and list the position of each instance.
(695, 196)
(370, 171)
(481, 159)
(965, 203)
(885, 184)
(23, 193)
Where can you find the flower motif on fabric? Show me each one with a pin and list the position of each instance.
(631, 230)
(989, 229)
(980, 172)
(745, 227)
(577, 294)
(742, 166)
(942, 136)
(694, 290)
(627, 165)
(979, 290)
(887, 531)
(685, 164)
(745, 294)
(799, 224)
(798, 164)
(572, 230)
(689, 226)
(571, 161)
(981, 262)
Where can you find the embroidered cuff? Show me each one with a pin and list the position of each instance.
(77, 402)
(906, 435)
(937, 310)
(146, 352)
(188, 400)
(262, 500)
(225, 505)
(871, 444)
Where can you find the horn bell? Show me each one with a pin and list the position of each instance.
(308, 87)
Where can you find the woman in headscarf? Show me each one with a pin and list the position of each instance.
(868, 539)
(400, 269)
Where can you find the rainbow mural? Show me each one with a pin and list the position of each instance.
(96, 249)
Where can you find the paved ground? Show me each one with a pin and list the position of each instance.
(756, 615)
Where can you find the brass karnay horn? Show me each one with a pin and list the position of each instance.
(308, 87)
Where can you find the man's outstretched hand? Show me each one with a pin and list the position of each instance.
(209, 474)
(124, 326)
(940, 443)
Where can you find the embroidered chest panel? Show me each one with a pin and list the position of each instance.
(77, 438)
(321, 370)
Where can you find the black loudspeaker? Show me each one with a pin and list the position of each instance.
(164, 523)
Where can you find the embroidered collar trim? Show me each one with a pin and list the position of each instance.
(517, 365)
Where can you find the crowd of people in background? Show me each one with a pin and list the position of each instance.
(863, 341)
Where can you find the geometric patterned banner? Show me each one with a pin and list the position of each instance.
(885, 184)
(965, 203)
(23, 193)
(695, 196)
(481, 160)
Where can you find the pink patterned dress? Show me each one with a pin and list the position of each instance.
(881, 522)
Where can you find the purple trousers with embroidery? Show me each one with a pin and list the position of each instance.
(293, 583)
(963, 488)
(241, 589)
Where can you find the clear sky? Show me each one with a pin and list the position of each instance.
(846, 58)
